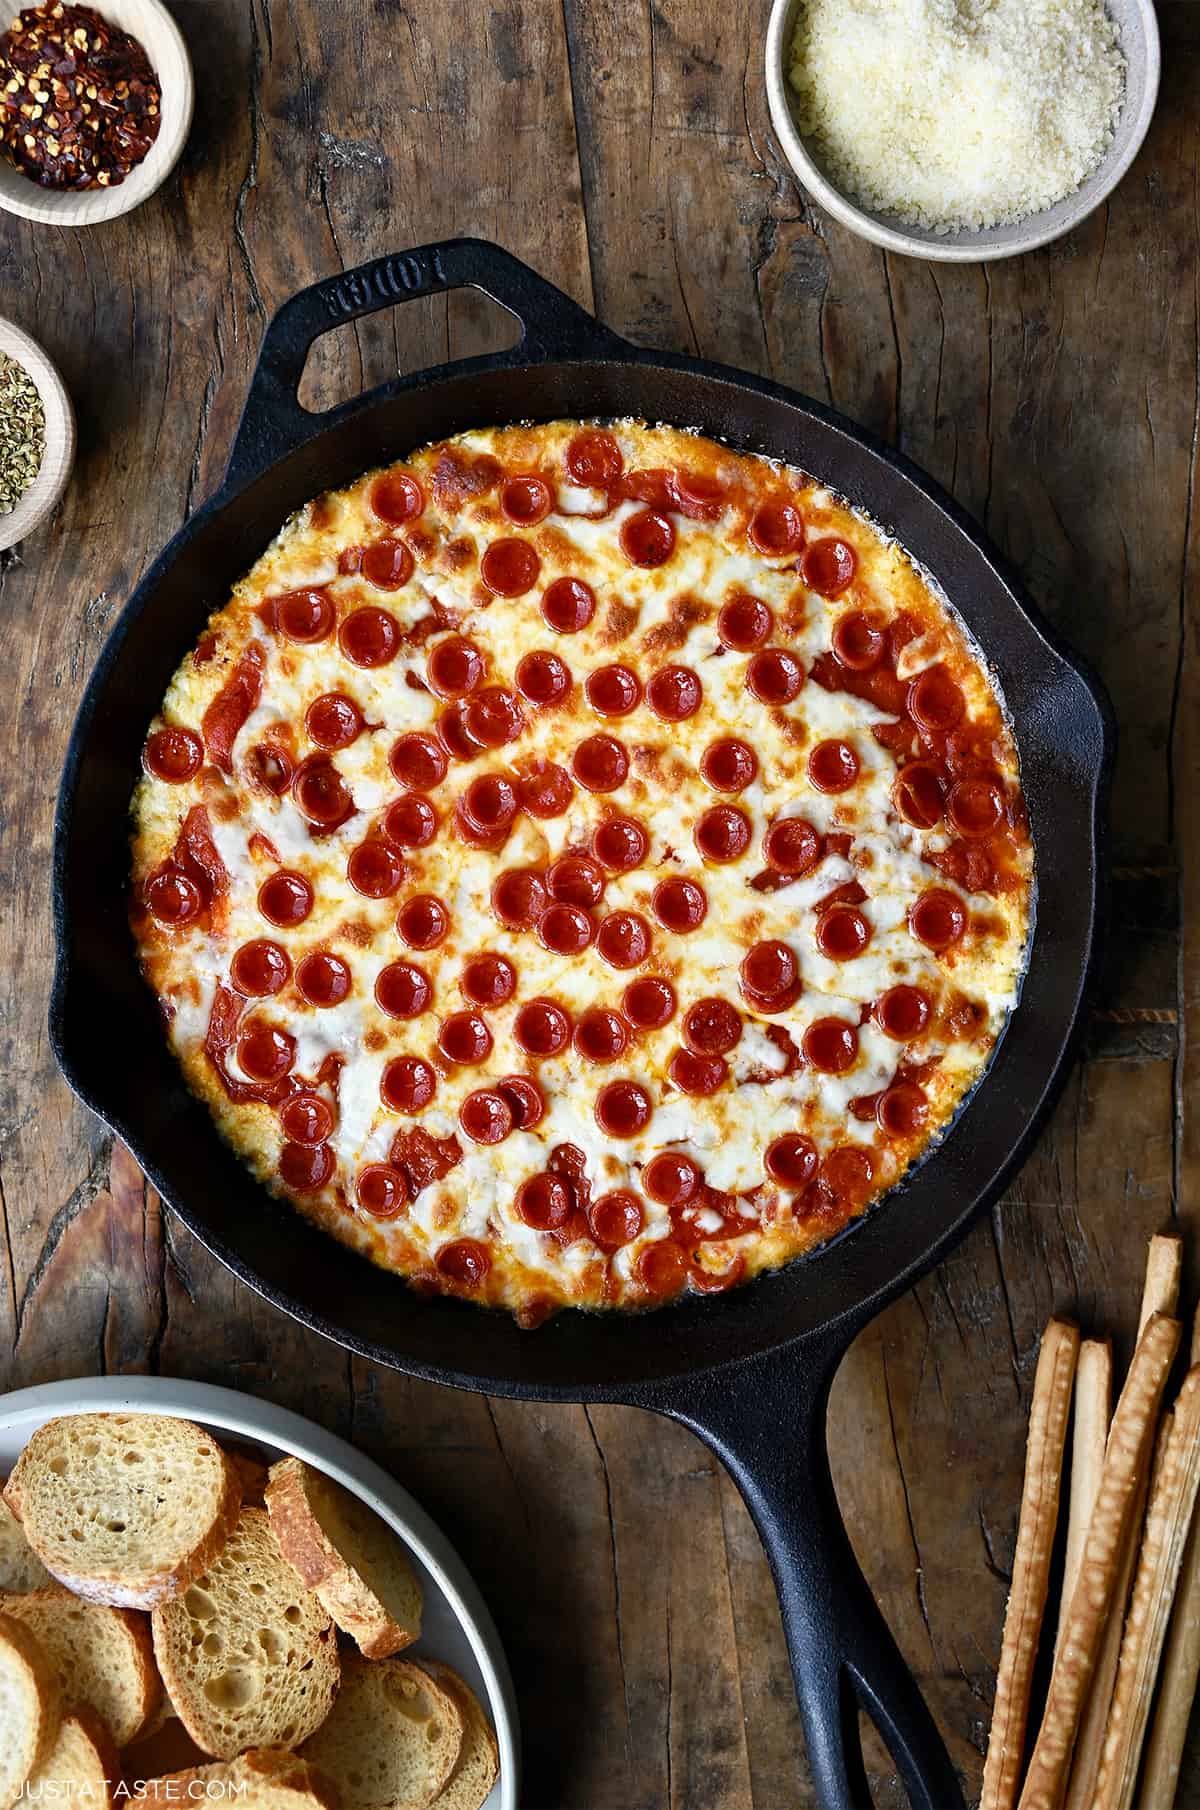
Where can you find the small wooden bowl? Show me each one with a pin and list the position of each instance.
(151, 23)
(59, 455)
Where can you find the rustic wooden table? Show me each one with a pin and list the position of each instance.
(624, 149)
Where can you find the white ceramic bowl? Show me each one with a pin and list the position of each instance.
(151, 23)
(456, 1624)
(59, 454)
(1139, 41)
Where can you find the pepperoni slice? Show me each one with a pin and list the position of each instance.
(770, 975)
(422, 921)
(709, 1281)
(613, 690)
(381, 1191)
(712, 1027)
(723, 833)
(662, 1268)
(620, 845)
(601, 1035)
(697, 1075)
(653, 485)
(265, 1053)
(842, 933)
(490, 802)
(831, 1045)
(934, 700)
(564, 930)
(938, 919)
(917, 794)
(488, 980)
(396, 498)
(543, 679)
(744, 623)
(526, 500)
(453, 733)
(671, 1178)
(411, 822)
(647, 538)
(417, 762)
(303, 616)
(575, 880)
(648, 1002)
(225, 717)
(728, 765)
(679, 905)
(545, 1202)
(542, 1028)
(260, 969)
(623, 1108)
(791, 1159)
(306, 1118)
(403, 990)
(466, 1261)
(509, 568)
(902, 1110)
(615, 1219)
(493, 717)
(369, 637)
(387, 564)
(975, 807)
(857, 643)
(285, 898)
(320, 792)
(568, 605)
(323, 979)
(902, 1013)
(848, 1173)
(828, 566)
(375, 869)
(623, 939)
(486, 1116)
(776, 529)
(675, 693)
(600, 763)
(464, 1038)
(524, 1100)
(172, 898)
(519, 897)
(546, 789)
(408, 1084)
(791, 846)
(594, 460)
(833, 766)
(269, 769)
(175, 755)
(304, 1168)
(774, 676)
(333, 720)
(454, 667)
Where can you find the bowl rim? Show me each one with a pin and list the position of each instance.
(58, 455)
(1027, 235)
(250, 1417)
(93, 207)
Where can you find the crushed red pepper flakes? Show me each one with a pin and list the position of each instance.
(80, 105)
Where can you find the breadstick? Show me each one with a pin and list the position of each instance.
(1048, 1417)
(1164, 1266)
(1181, 1667)
(1124, 1461)
(1172, 1498)
(1093, 1410)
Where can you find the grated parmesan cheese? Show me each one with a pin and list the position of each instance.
(957, 114)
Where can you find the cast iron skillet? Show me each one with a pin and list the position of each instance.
(749, 1372)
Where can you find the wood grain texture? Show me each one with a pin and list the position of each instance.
(623, 147)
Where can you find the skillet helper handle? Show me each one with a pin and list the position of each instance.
(273, 422)
(765, 1420)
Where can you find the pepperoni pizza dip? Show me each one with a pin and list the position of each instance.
(581, 864)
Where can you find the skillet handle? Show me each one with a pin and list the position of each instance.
(273, 422)
(765, 1420)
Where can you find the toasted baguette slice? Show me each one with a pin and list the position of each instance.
(266, 1778)
(392, 1739)
(82, 1766)
(20, 1567)
(351, 1558)
(124, 1509)
(478, 1767)
(30, 1707)
(248, 1657)
(103, 1656)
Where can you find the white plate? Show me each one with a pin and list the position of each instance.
(456, 1624)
